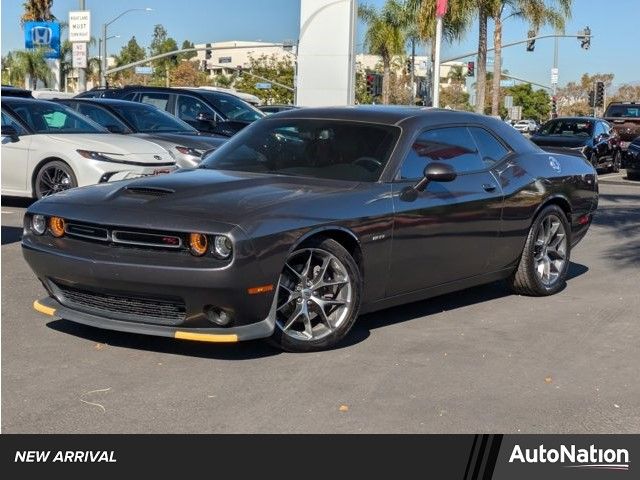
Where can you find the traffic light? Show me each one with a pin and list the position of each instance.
(471, 67)
(239, 69)
(592, 97)
(409, 66)
(585, 38)
(207, 52)
(531, 43)
(599, 94)
(370, 82)
(554, 106)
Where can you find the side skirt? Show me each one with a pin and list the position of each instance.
(436, 291)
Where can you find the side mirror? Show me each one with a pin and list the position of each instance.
(436, 172)
(205, 117)
(10, 132)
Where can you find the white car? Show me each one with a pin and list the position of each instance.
(47, 147)
(526, 126)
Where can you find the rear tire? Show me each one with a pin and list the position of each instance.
(616, 163)
(317, 298)
(53, 177)
(545, 258)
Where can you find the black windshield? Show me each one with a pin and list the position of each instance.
(624, 111)
(232, 107)
(149, 119)
(312, 148)
(567, 127)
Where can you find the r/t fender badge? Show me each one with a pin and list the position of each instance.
(555, 164)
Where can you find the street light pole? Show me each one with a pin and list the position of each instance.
(103, 62)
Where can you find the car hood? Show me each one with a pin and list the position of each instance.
(559, 141)
(233, 198)
(200, 142)
(109, 143)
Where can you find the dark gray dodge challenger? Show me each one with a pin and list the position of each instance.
(308, 218)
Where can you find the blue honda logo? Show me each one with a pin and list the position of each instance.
(41, 36)
(44, 35)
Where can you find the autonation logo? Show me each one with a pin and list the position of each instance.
(592, 457)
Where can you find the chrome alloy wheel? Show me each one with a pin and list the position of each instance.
(550, 250)
(315, 295)
(53, 180)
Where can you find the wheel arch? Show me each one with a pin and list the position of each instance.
(559, 200)
(40, 164)
(345, 237)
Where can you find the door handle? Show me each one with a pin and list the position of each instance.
(489, 187)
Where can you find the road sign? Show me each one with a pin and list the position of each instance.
(79, 55)
(507, 83)
(508, 101)
(43, 35)
(80, 26)
(554, 76)
(144, 70)
(263, 86)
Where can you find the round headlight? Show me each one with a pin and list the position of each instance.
(198, 244)
(222, 246)
(56, 225)
(38, 224)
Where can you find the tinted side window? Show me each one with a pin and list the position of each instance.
(160, 100)
(491, 150)
(453, 145)
(100, 115)
(10, 122)
(188, 108)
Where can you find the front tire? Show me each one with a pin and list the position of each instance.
(53, 177)
(545, 258)
(317, 298)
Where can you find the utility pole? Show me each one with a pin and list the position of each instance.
(413, 70)
(554, 85)
(82, 74)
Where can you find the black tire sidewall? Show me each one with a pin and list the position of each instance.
(58, 164)
(283, 341)
(559, 284)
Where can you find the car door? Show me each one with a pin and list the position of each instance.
(446, 233)
(601, 143)
(15, 158)
(196, 112)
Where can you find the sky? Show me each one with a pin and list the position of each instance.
(613, 47)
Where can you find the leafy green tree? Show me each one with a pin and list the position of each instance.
(187, 56)
(537, 13)
(186, 74)
(129, 53)
(386, 36)
(162, 43)
(273, 69)
(536, 104)
(33, 64)
(453, 95)
(363, 96)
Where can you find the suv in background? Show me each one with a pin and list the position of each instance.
(526, 126)
(625, 118)
(208, 111)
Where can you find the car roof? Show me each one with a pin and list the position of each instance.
(27, 101)
(577, 118)
(11, 91)
(376, 113)
(107, 101)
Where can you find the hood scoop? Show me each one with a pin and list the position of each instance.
(148, 191)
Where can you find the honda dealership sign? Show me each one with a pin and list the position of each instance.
(43, 35)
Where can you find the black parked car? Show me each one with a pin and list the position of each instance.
(594, 138)
(10, 91)
(269, 109)
(633, 160)
(208, 111)
(183, 141)
(307, 219)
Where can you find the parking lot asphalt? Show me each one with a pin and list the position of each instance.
(482, 360)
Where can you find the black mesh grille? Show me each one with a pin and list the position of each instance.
(132, 308)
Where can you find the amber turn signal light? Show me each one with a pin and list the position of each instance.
(198, 244)
(56, 226)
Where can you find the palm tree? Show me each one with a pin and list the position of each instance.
(32, 64)
(385, 36)
(537, 13)
(37, 11)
